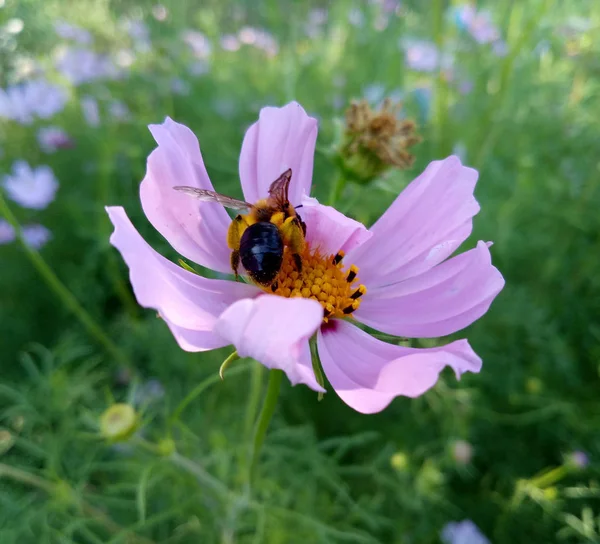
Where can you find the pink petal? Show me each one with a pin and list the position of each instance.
(425, 225)
(190, 304)
(330, 230)
(197, 230)
(274, 331)
(282, 138)
(367, 373)
(438, 302)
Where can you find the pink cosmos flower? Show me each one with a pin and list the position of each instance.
(412, 287)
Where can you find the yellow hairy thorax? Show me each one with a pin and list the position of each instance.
(323, 278)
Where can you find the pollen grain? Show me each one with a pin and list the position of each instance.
(323, 278)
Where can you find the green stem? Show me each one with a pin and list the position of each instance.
(61, 291)
(200, 388)
(337, 189)
(264, 418)
(252, 405)
(440, 98)
(104, 196)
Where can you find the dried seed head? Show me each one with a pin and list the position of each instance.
(377, 140)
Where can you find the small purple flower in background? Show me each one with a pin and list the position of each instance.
(30, 187)
(261, 39)
(32, 99)
(316, 21)
(53, 138)
(229, 42)
(356, 17)
(199, 68)
(465, 86)
(119, 111)
(463, 532)
(160, 12)
(578, 459)
(180, 86)
(410, 284)
(148, 392)
(500, 48)
(139, 34)
(421, 55)
(198, 43)
(7, 232)
(36, 236)
(68, 31)
(90, 110)
(78, 66)
(480, 26)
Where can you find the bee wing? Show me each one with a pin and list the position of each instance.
(210, 196)
(278, 191)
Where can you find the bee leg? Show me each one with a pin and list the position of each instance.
(274, 286)
(302, 224)
(234, 236)
(297, 261)
(235, 262)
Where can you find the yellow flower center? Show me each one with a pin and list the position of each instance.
(324, 279)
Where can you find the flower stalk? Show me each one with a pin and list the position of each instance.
(265, 416)
(61, 291)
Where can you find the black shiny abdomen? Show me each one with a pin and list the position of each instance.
(261, 252)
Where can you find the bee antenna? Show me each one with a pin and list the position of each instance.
(298, 206)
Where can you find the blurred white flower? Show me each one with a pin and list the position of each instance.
(119, 111)
(14, 26)
(52, 139)
(74, 33)
(198, 43)
(80, 65)
(463, 532)
(31, 187)
(159, 12)
(91, 111)
(317, 19)
(36, 236)
(35, 98)
(229, 42)
(462, 452)
(7, 232)
(125, 58)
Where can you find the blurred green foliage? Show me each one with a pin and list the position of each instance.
(529, 125)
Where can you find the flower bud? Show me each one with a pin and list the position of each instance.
(462, 452)
(7, 441)
(375, 141)
(399, 461)
(118, 422)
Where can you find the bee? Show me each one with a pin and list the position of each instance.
(259, 237)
